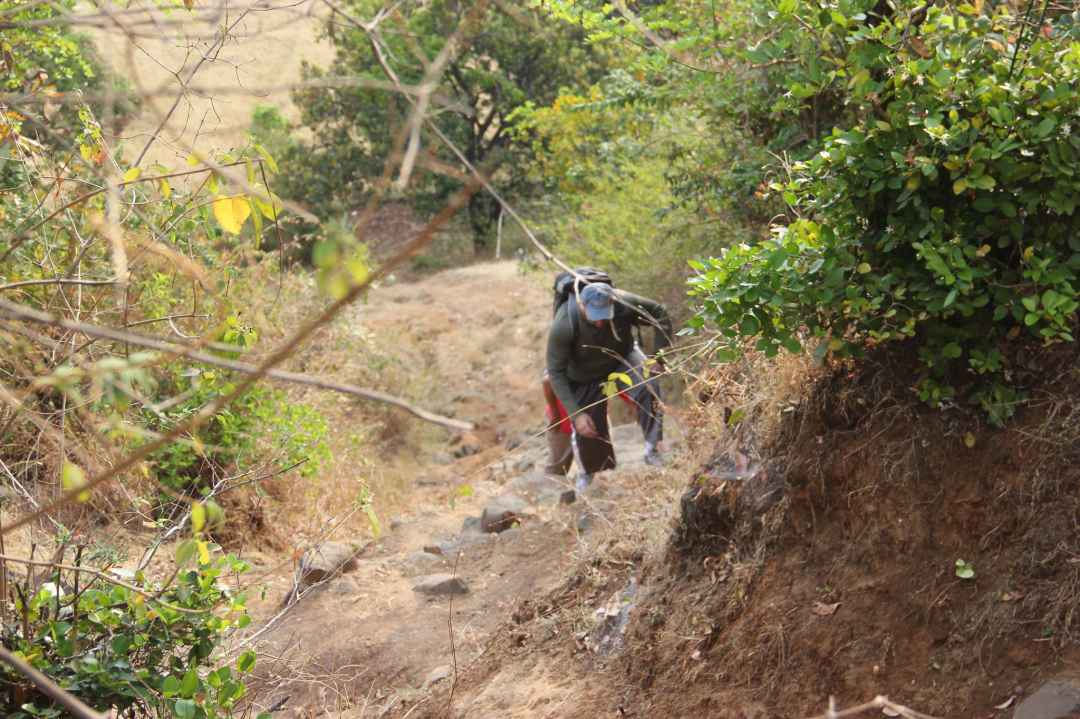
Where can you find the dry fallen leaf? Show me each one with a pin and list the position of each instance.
(1012, 596)
(919, 47)
(1007, 703)
(825, 610)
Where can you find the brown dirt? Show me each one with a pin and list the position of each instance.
(883, 497)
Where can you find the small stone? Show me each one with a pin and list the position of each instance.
(584, 523)
(524, 464)
(471, 524)
(440, 585)
(433, 549)
(396, 523)
(438, 674)
(568, 497)
(502, 514)
(442, 458)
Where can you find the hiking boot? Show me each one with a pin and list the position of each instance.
(654, 459)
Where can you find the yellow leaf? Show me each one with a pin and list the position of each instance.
(982, 251)
(132, 174)
(863, 268)
(1029, 253)
(232, 212)
(193, 159)
(166, 188)
(72, 477)
(198, 517)
(268, 209)
(969, 440)
(204, 553)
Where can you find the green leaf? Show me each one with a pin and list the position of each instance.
(787, 7)
(184, 709)
(863, 268)
(185, 551)
(189, 684)
(171, 686)
(964, 570)
(267, 157)
(246, 662)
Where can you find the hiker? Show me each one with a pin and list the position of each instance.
(591, 338)
(559, 432)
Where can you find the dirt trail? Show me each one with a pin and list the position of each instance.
(367, 642)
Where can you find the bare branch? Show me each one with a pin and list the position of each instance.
(28, 314)
(877, 703)
(105, 577)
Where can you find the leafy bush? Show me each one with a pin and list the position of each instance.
(116, 649)
(262, 416)
(944, 213)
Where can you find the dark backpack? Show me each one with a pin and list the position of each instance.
(564, 287)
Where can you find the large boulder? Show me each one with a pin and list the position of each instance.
(502, 514)
(1056, 699)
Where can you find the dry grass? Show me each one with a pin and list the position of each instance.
(376, 451)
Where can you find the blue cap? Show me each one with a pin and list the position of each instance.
(599, 303)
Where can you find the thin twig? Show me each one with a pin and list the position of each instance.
(28, 314)
(104, 577)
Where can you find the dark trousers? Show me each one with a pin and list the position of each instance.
(596, 454)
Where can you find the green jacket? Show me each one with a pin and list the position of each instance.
(595, 353)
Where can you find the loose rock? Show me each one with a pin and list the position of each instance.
(438, 674)
(502, 514)
(1056, 699)
(441, 585)
(326, 560)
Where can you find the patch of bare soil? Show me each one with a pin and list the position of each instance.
(369, 642)
(846, 586)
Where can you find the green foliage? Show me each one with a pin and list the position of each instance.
(504, 62)
(943, 212)
(260, 420)
(114, 648)
(964, 570)
(632, 226)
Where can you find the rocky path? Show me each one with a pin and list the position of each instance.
(486, 530)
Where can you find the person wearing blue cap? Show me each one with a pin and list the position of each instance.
(591, 338)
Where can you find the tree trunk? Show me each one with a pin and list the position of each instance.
(483, 216)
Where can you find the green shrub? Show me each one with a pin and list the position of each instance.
(944, 215)
(112, 647)
(235, 436)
